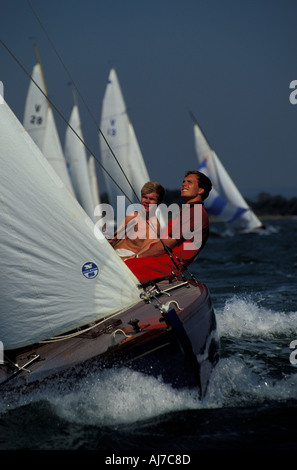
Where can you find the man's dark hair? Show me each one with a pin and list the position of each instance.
(203, 180)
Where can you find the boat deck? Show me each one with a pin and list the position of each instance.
(172, 324)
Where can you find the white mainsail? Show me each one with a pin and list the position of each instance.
(40, 124)
(55, 274)
(224, 200)
(76, 158)
(119, 133)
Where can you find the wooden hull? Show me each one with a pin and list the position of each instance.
(172, 334)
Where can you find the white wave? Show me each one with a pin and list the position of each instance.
(243, 316)
(235, 383)
(122, 396)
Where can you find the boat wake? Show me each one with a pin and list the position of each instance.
(255, 361)
(245, 316)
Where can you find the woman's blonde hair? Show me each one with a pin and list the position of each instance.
(153, 187)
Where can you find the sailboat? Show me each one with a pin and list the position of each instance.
(40, 124)
(125, 162)
(69, 304)
(225, 200)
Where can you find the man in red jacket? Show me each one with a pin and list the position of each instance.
(184, 237)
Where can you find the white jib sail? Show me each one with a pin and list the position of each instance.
(76, 158)
(225, 198)
(55, 274)
(40, 124)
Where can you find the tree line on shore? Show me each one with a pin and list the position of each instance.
(266, 204)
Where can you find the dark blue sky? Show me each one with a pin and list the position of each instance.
(229, 62)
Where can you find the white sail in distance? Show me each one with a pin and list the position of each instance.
(224, 200)
(55, 274)
(119, 133)
(77, 163)
(40, 124)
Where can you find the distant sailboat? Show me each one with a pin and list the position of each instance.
(224, 200)
(119, 132)
(40, 124)
(83, 174)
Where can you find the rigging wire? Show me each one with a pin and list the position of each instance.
(91, 115)
(64, 119)
(82, 98)
(167, 250)
(61, 115)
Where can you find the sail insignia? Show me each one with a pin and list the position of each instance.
(90, 270)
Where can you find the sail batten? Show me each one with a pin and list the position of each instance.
(56, 275)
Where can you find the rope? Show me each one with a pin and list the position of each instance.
(165, 307)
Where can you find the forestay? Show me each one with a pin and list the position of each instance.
(55, 274)
(39, 122)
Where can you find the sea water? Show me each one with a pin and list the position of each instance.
(251, 402)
